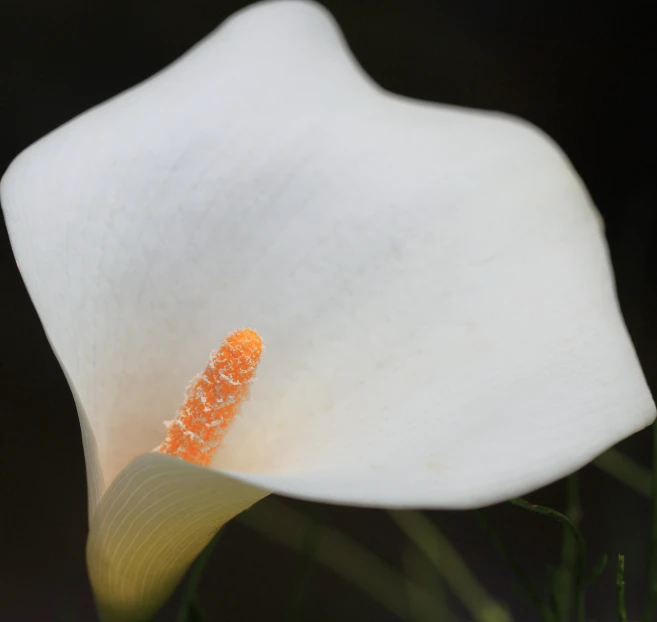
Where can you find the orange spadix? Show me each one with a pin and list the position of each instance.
(213, 399)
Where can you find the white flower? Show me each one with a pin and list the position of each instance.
(432, 286)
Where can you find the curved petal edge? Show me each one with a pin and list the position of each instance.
(150, 525)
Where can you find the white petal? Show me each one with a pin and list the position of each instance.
(432, 284)
(154, 519)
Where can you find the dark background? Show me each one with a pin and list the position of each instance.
(579, 70)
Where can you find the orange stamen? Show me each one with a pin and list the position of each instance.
(213, 399)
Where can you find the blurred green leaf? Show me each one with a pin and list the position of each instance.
(345, 556)
(308, 553)
(526, 587)
(428, 538)
(419, 569)
(625, 470)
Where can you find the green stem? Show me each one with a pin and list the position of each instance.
(346, 557)
(649, 613)
(579, 546)
(426, 536)
(526, 585)
(189, 606)
(620, 588)
(573, 583)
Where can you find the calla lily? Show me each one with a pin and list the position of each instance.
(431, 284)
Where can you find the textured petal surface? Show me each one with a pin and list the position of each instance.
(154, 519)
(432, 284)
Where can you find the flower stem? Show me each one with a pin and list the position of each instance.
(427, 537)
(574, 580)
(620, 588)
(649, 613)
(580, 547)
